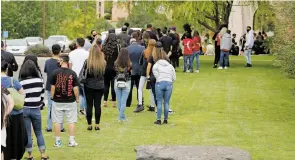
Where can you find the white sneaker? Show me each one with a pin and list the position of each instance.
(73, 144)
(188, 71)
(197, 71)
(225, 67)
(57, 144)
(220, 68)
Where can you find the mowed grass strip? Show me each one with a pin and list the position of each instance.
(248, 108)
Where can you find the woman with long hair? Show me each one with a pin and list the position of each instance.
(196, 50)
(7, 104)
(95, 67)
(35, 60)
(17, 138)
(110, 49)
(123, 81)
(165, 75)
(33, 85)
(143, 61)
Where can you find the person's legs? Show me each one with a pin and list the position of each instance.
(129, 100)
(107, 84)
(72, 118)
(167, 96)
(159, 94)
(153, 85)
(249, 56)
(221, 59)
(217, 55)
(113, 88)
(124, 96)
(226, 59)
(49, 106)
(184, 63)
(198, 60)
(152, 98)
(57, 118)
(140, 89)
(137, 78)
(28, 122)
(82, 99)
(37, 125)
(191, 62)
(97, 105)
(118, 95)
(246, 54)
(89, 99)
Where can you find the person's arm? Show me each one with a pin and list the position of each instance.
(173, 74)
(141, 58)
(70, 62)
(52, 91)
(52, 82)
(14, 65)
(76, 92)
(155, 70)
(42, 92)
(148, 69)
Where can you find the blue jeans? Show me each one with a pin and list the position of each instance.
(49, 113)
(247, 54)
(82, 98)
(163, 91)
(224, 57)
(122, 96)
(197, 55)
(187, 59)
(32, 117)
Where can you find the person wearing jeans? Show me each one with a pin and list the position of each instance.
(122, 95)
(165, 75)
(248, 46)
(187, 52)
(196, 50)
(225, 46)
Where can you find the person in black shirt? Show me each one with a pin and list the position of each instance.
(149, 30)
(110, 49)
(166, 42)
(65, 96)
(9, 58)
(174, 58)
(50, 66)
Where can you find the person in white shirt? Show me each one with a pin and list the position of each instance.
(248, 46)
(77, 59)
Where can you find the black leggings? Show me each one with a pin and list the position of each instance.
(93, 95)
(153, 86)
(217, 55)
(109, 80)
(134, 80)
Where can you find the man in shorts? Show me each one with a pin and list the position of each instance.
(65, 96)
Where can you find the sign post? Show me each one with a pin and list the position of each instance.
(5, 35)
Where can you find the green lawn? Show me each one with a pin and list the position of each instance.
(249, 108)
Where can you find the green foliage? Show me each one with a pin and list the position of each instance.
(107, 16)
(283, 43)
(38, 50)
(264, 17)
(102, 25)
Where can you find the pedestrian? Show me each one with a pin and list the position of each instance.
(65, 95)
(111, 50)
(122, 81)
(196, 50)
(51, 65)
(175, 52)
(248, 46)
(35, 60)
(17, 138)
(7, 104)
(143, 62)
(93, 34)
(166, 42)
(135, 51)
(88, 43)
(72, 46)
(149, 30)
(146, 38)
(94, 67)
(187, 53)
(216, 38)
(165, 75)
(9, 58)
(159, 33)
(187, 31)
(124, 37)
(77, 59)
(225, 46)
(33, 86)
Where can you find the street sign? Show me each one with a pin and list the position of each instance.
(5, 34)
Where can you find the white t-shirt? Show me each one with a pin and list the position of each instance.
(77, 59)
(3, 136)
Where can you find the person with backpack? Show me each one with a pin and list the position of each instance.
(111, 50)
(94, 68)
(17, 138)
(33, 85)
(187, 53)
(165, 75)
(122, 81)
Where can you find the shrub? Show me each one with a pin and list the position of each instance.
(107, 16)
(38, 50)
(283, 43)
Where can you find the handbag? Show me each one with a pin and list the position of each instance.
(83, 74)
(17, 97)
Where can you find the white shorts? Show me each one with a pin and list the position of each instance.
(60, 110)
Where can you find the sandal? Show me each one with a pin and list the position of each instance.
(30, 158)
(44, 158)
(105, 104)
(114, 104)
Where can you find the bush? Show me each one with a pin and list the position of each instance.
(38, 50)
(102, 25)
(283, 43)
(107, 16)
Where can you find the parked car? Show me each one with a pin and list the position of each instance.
(17, 46)
(34, 40)
(62, 40)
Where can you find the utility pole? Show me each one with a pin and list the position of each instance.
(85, 13)
(43, 21)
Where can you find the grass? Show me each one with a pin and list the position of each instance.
(248, 108)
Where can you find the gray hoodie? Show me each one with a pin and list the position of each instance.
(226, 42)
(164, 71)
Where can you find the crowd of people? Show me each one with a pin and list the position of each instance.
(144, 59)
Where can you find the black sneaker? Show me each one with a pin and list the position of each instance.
(157, 122)
(151, 109)
(63, 130)
(89, 128)
(48, 130)
(82, 112)
(139, 109)
(248, 65)
(165, 122)
(215, 66)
